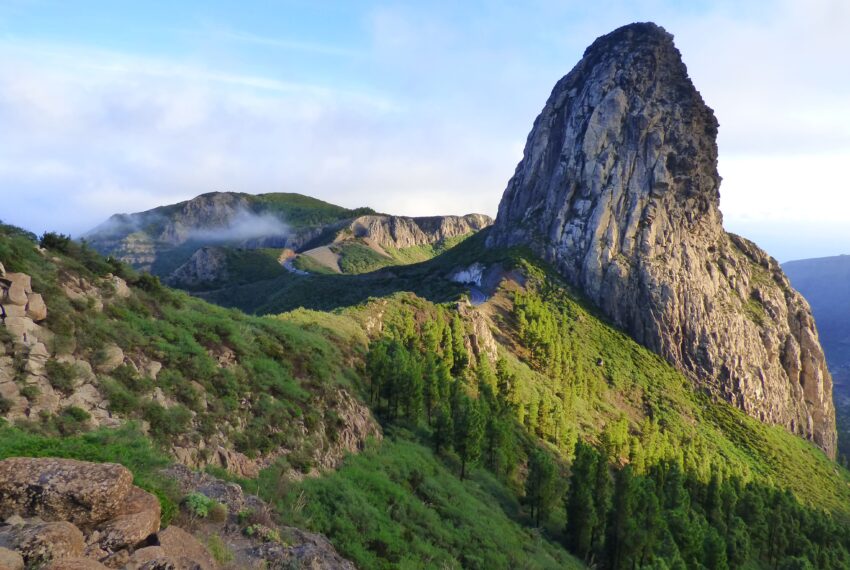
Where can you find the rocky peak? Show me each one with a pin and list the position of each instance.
(618, 188)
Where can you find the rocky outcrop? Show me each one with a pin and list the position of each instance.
(62, 489)
(265, 545)
(618, 188)
(207, 265)
(399, 232)
(73, 514)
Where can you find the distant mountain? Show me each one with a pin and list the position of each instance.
(234, 238)
(825, 283)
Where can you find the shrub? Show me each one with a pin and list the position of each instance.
(201, 506)
(72, 420)
(198, 504)
(121, 400)
(166, 422)
(263, 532)
(61, 376)
(148, 282)
(57, 242)
(132, 380)
(30, 392)
(5, 405)
(219, 549)
(218, 513)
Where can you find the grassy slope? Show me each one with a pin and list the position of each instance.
(398, 506)
(282, 374)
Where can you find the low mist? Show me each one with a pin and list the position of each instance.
(244, 225)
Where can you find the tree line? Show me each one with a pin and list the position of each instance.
(626, 503)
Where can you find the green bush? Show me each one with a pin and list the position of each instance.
(30, 392)
(61, 375)
(166, 422)
(121, 400)
(219, 550)
(72, 420)
(202, 506)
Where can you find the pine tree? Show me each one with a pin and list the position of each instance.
(541, 490)
(621, 545)
(583, 519)
(444, 429)
(469, 433)
(447, 347)
(459, 352)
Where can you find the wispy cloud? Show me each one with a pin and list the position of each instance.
(285, 44)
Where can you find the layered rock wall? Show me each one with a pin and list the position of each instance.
(399, 232)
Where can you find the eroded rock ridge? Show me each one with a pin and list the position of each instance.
(618, 188)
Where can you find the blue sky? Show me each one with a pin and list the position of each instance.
(411, 108)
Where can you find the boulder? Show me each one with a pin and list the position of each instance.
(9, 559)
(136, 519)
(39, 543)
(144, 555)
(177, 543)
(309, 551)
(20, 286)
(77, 563)
(110, 357)
(122, 291)
(22, 329)
(62, 489)
(36, 308)
(37, 358)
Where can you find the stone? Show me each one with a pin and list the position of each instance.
(308, 550)
(77, 563)
(9, 559)
(37, 358)
(177, 543)
(144, 555)
(618, 188)
(20, 285)
(136, 519)
(36, 309)
(122, 291)
(15, 311)
(39, 543)
(22, 329)
(62, 489)
(110, 357)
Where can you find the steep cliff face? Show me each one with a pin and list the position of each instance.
(401, 232)
(618, 188)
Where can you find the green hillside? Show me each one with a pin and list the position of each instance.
(514, 433)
